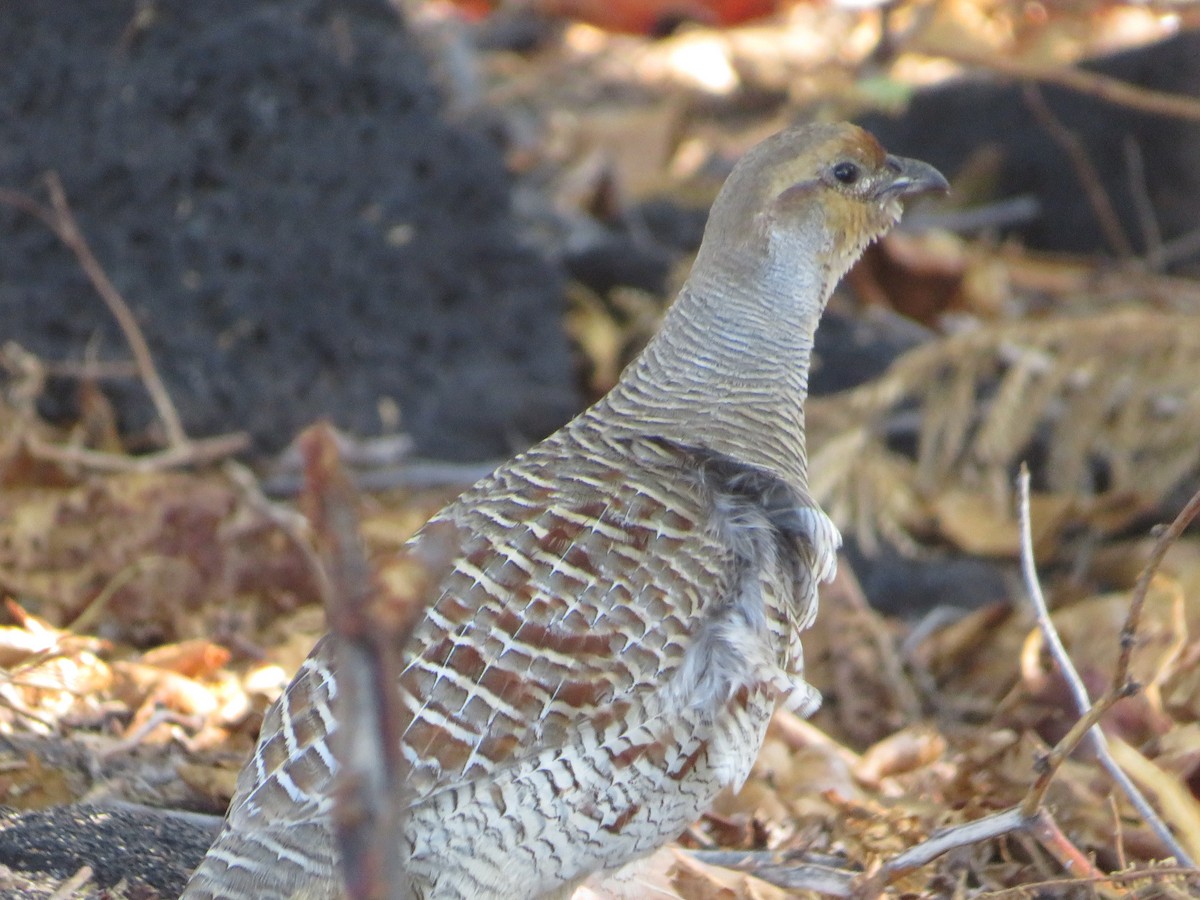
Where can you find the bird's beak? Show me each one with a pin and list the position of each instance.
(913, 177)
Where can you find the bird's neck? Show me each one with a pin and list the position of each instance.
(728, 370)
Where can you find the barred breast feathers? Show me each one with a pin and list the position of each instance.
(748, 532)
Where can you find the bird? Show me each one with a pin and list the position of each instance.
(623, 610)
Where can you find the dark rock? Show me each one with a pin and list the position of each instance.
(619, 259)
(270, 186)
(897, 585)
(852, 350)
(153, 851)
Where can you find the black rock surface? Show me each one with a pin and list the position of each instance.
(273, 189)
(152, 852)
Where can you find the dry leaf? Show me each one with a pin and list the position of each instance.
(196, 658)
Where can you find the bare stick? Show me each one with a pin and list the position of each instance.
(1167, 539)
(1057, 887)
(370, 627)
(1139, 190)
(1078, 691)
(1058, 845)
(1048, 765)
(367, 814)
(74, 884)
(941, 842)
(1111, 90)
(834, 881)
(827, 879)
(1089, 178)
(197, 452)
(1181, 247)
(61, 221)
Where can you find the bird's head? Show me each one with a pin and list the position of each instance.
(812, 197)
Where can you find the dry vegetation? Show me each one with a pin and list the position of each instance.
(157, 603)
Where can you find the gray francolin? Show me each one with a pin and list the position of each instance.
(625, 610)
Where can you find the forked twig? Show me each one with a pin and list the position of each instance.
(1030, 816)
(194, 452)
(1120, 686)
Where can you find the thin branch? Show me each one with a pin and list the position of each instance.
(61, 221)
(370, 627)
(67, 228)
(1153, 874)
(1078, 691)
(92, 369)
(89, 616)
(826, 878)
(1089, 178)
(1104, 87)
(833, 881)
(73, 885)
(941, 842)
(1167, 539)
(197, 452)
(1171, 791)
(1181, 247)
(1058, 845)
(368, 813)
(1139, 190)
(1049, 765)
(415, 475)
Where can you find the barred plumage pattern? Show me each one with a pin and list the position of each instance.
(625, 609)
(567, 672)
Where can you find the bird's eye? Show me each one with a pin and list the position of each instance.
(846, 172)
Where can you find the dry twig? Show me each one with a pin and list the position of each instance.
(197, 452)
(833, 881)
(1085, 171)
(73, 885)
(371, 628)
(180, 450)
(1159, 875)
(59, 219)
(368, 814)
(1147, 218)
(1111, 90)
(1120, 687)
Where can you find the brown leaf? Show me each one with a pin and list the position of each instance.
(700, 881)
(197, 658)
(904, 751)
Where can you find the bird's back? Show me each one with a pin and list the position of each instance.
(585, 679)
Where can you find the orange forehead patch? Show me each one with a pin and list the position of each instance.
(840, 142)
(864, 145)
